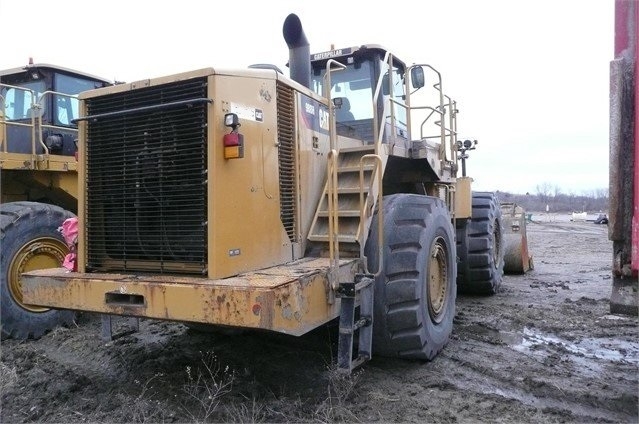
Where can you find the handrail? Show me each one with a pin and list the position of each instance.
(452, 107)
(450, 194)
(447, 127)
(3, 135)
(36, 124)
(333, 222)
(377, 172)
(432, 111)
(378, 130)
(331, 106)
(331, 175)
(32, 125)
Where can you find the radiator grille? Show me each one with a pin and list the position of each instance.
(146, 180)
(286, 140)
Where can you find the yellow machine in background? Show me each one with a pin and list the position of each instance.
(517, 259)
(39, 183)
(247, 199)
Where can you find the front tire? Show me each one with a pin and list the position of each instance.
(415, 290)
(30, 241)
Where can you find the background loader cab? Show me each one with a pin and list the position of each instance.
(45, 93)
(38, 137)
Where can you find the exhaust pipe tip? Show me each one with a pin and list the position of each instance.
(293, 32)
(299, 50)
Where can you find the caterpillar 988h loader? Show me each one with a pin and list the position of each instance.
(248, 199)
(38, 180)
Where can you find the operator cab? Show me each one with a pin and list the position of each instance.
(45, 94)
(362, 89)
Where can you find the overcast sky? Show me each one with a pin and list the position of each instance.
(531, 78)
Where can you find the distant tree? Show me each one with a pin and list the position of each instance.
(557, 191)
(601, 193)
(548, 194)
(543, 192)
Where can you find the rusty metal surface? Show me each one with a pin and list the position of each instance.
(621, 143)
(624, 154)
(291, 299)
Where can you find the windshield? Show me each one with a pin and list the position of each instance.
(352, 84)
(16, 103)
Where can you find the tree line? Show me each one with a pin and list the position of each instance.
(550, 197)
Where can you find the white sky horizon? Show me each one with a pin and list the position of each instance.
(531, 78)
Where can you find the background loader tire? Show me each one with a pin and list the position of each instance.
(30, 240)
(480, 247)
(415, 291)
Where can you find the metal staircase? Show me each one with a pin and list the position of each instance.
(354, 201)
(340, 228)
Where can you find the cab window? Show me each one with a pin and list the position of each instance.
(66, 107)
(17, 102)
(353, 85)
(399, 100)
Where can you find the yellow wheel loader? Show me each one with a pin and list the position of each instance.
(249, 199)
(38, 183)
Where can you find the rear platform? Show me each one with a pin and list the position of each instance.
(281, 298)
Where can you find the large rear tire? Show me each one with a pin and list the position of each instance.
(30, 240)
(480, 247)
(415, 291)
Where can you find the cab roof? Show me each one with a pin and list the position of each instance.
(343, 53)
(55, 68)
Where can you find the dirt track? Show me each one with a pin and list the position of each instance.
(544, 349)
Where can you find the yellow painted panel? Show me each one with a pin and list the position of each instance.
(245, 230)
(463, 198)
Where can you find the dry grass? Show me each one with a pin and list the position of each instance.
(205, 387)
(8, 377)
(249, 411)
(341, 388)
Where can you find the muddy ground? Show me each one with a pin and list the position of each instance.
(544, 349)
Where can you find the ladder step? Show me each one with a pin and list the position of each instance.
(349, 358)
(362, 322)
(351, 213)
(350, 190)
(354, 168)
(341, 238)
(364, 148)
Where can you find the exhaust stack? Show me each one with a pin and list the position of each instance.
(298, 49)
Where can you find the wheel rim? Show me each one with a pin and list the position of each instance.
(437, 280)
(41, 253)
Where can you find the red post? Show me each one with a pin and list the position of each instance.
(633, 28)
(623, 227)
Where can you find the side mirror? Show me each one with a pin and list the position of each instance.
(417, 77)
